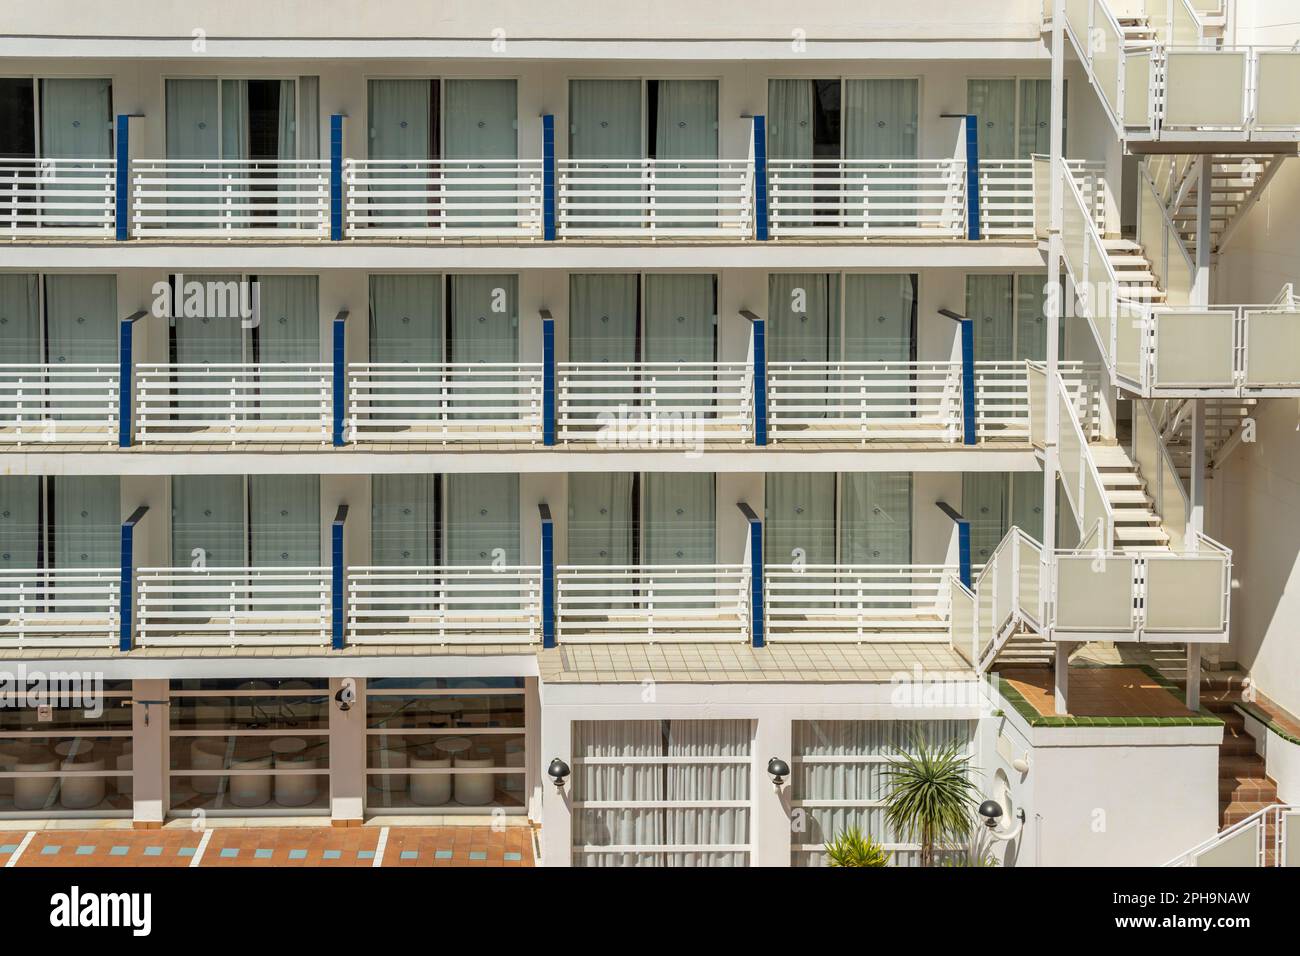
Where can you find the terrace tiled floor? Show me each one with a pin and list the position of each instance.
(271, 846)
(1099, 692)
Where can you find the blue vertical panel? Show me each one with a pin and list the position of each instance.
(760, 383)
(757, 633)
(972, 177)
(548, 583)
(340, 380)
(968, 422)
(963, 551)
(760, 178)
(126, 604)
(125, 383)
(336, 177)
(548, 178)
(548, 382)
(336, 584)
(122, 192)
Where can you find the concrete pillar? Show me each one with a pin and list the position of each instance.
(149, 757)
(347, 756)
(773, 821)
(1193, 698)
(1062, 676)
(557, 804)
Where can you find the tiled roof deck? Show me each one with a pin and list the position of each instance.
(1099, 692)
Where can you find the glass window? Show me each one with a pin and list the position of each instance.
(448, 743)
(839, 781)
(249, 746)
(638, 786)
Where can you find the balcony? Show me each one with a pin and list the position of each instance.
(652, 403)
(650, 199)
(58, 198)
(609, 604)
(60, 607)
(59, 403)
(443, 199)
(858, 602)
(230, 198)
(465, 402)
(444, 605)
(233, 403)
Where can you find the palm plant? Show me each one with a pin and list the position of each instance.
(932, 797)
(851, 848)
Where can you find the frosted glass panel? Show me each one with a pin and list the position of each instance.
(1094, 596)
(1277, 104)
(1194, 348)
(1205, 89)
(1185, 594)
(1272, 348)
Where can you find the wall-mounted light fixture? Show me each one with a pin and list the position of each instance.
(558, 771)
(346, 695)
(991, 811)
(778, 770)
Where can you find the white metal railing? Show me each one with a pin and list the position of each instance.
(1220, 350)
(443, 198)
(1163, 484)
(850, 198)
(1187, 84)
(1162, 243)
(1078, 470)
(58, 403)
(1176, 595)
(444, 605)
(647, 198)
(652, 403)
(856, 602)
(66, 197)
(1007, 594)
(230, 198)
(60, 607)
(205, 607)
(233, 403)
(681, 603)
(445, 402)
(1008, 189)
(1268, 837)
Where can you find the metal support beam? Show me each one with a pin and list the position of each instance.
(1196, 520)
(758, 371)
(1204, 232)
(1193, 698)
(1061, 676)
(1055, 299)
(963, 541)
(548, 575)
(338, 579)
(339, 376)
(548, 378)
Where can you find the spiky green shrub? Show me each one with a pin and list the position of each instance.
(932, 798)
(851, 848)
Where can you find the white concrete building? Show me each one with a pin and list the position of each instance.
(400, 402)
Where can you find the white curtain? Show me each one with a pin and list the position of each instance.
(993, 102)
(234, 119)
(484, 318)
(208, 514)
(605, 119)
(399, 114)
(990, 307)
(1027, 503)
(803, 310)
(600, 518)
(309, 123)
(76, 119)
(211, 339)
(799, 515)
(603, 319)
(863, 784)
(876, 518)
(284, 520)
(680, 318)
(880, 119)
(668, 782)
(289, 330)
(402, 520)
(481, 516)
(20, 524)
(678, 524)
(1035, 127)
(406, 319)
(879, 315)
(192, 119)
(20, 317)
(686, 126)
(81, 319)
(790, 119)
(1031, 318)
(984, 504)
(87, 520)
(481, 119)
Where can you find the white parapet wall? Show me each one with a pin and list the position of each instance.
(1100, 796)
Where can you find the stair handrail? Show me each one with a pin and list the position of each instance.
(1084, 48)
(1165, 477)
(1260, 816)
(1089, 473)
(1171, 240)
(1017, 609)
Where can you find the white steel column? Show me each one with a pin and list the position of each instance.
(1200, 298)
(1193, 697)
(1051, 462)
(1061, 688)
(347, 756)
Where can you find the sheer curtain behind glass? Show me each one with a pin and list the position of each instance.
(603, 319)
(880, 123)
(20, 522)
(600, 518)
(20, 325)
(402, 525)
(605, 130)
(679, 327)
(880, 328)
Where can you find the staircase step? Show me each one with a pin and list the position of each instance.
(1248, 790)
(1128, 497)
(1126, 535)
(1235, 811)
(1120, 245)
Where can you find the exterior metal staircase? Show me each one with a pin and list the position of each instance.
(1238, 183)
(1137, 526)
(1224, 423)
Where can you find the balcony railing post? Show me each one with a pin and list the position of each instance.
(125, 381)
(340, 369)
(548, 576)
(548, 178)
(760, 178)
(758, 355)
(126, 595)
(963, 541)
(337, 578)
(548, 379)
(969, 422)
(336, 177)
(122, 164)
(757, 631)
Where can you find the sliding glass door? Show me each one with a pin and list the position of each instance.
(804, 310)
(602, 522)
(880, 327)
(480, 127)
(678, 520)
(604, 324)
(403, 520)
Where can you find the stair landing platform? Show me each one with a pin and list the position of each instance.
(1099, 692)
